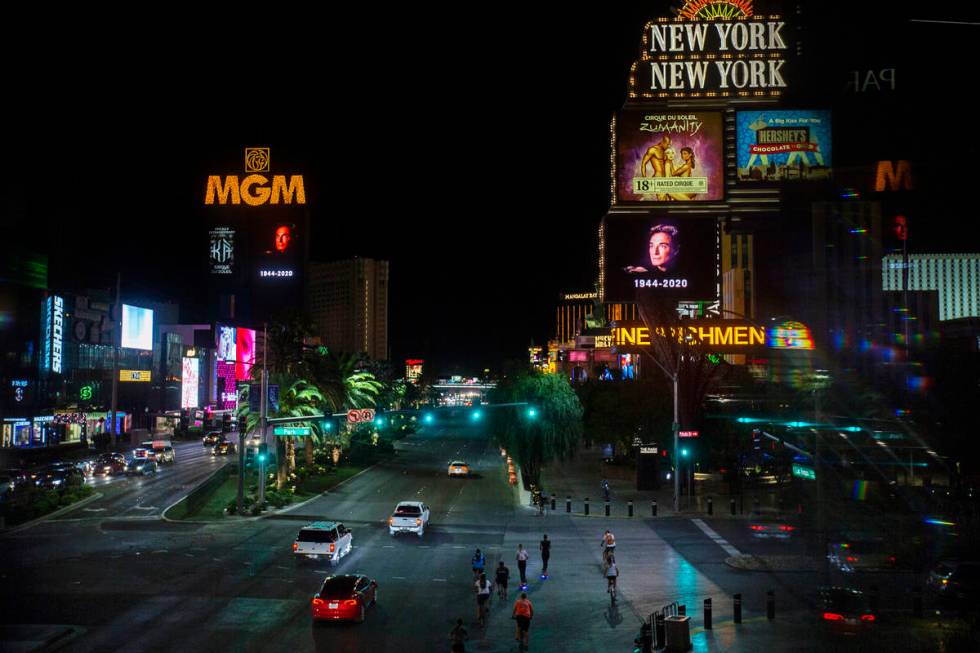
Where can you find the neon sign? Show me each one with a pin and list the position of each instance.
(716, 335)
(254, 188)
(790, 335)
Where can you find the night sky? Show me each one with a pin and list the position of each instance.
(470, 151)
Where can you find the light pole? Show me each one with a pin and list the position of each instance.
(263, 414)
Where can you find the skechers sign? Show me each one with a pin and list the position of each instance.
(255, 189)
(713, 48)
(54, 317)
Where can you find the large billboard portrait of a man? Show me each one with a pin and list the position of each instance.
(668, 157)
(663, 248)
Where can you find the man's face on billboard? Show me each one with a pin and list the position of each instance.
(661, 249)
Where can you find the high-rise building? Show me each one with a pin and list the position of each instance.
(348, 303)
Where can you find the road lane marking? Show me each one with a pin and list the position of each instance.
(716, 538)
(459, 547)
(397, 578)
(387, 546)
(438, 580)
(161, 551)
(424, 546)
(93, 509)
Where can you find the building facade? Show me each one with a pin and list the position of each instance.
(348, 303)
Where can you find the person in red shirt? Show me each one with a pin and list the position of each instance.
(523, 611)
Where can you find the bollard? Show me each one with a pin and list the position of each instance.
(629, 507)
(552, 504)
(731, 506)
(653, 507)
(568, 504)
(681, 610)
(661, 634)
(607, 508)
(711, 509)
(755, 504)
(917, 603)
(586, 505)
(707, 614)
(646, 637)
(770, 605)
(873, 599)
(738, 608)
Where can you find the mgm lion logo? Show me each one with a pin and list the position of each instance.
(257, 159)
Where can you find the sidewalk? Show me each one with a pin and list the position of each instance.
(581, 477)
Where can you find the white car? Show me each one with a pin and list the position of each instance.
(458, 468)
(323, 540)
(409, 517)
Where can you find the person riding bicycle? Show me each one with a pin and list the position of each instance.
(523, 611)
(478, 562)
(483, 588)
(612, 573)
(457, 636)
(608, 545)
(503, 576)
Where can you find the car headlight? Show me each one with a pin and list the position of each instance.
(56, 481)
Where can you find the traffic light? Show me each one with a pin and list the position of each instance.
(532, 412)
(263, 452)
(427, 418)
(684, 452)
(476, 415)
(242, 423)
(379, 421)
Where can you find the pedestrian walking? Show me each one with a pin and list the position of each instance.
(522, 563)
(545, 547)
(458, 636)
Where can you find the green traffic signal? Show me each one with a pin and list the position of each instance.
(684, 453)
(428, 418)
(532, 413)
(476, 415)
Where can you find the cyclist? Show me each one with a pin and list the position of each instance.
(503, 575)
(608, 545)
(478, 562)
(483, 588)
(523, 611)
(457, 636)
(612, 573)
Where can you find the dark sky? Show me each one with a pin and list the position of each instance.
(470, 150)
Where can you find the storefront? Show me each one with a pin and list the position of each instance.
(16, 432)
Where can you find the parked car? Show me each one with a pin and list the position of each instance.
(344, 597)
(409, 517)
(141, 467)
(323, 540)
(109, 464)
(458, 468)
(845, 611)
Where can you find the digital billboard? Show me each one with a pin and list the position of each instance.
(668, 157)
(137, 327)
(783, 145)
(221, 250)
(226, 347)
(245, 350)
(189, 381)
(669, 256)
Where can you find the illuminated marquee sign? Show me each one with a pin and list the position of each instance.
(712, 49)
(221, 252)
(716, 335)
(580, 295)
(54, 318)
(255, 189)
(139, 376)
(413, 369)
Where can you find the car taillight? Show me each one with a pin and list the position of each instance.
(350, 602)
(756, 527)
(295, 546)
(787, 528)
(833, 616)
(332, 548)
(867, 617)
(851, 558)
(891, 559)
(391, 521)
(418, 522)
(317, 601)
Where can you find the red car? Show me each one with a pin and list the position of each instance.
(344, 597)
(109, 464)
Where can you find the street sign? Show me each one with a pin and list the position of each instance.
(292, 431)
(649, 450)
(358, 415)
(802, 471)
(688, 434)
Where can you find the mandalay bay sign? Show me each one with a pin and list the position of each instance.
(713, 49)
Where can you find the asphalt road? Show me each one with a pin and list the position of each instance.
(123, 581)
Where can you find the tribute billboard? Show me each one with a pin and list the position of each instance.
(783, 145)
(670, 256)
(666, 156)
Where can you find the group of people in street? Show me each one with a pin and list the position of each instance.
(523, 610)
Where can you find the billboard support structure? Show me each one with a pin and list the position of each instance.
(263, 414)
(115, 356)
